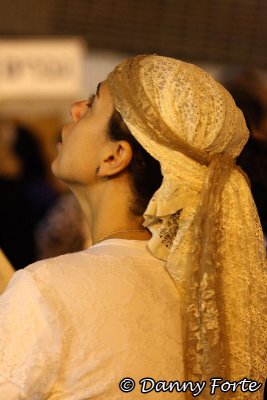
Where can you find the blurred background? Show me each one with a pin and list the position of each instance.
(55, 52)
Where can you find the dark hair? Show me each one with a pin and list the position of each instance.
(248, 103)
(144, 170)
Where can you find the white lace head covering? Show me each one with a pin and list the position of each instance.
(203, 219)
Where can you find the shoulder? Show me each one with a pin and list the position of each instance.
(67, 273)
(76, 264)
(77, 273)
(56, 264)
(88, 274)
(123, 255)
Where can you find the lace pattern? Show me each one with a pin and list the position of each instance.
(215, 254)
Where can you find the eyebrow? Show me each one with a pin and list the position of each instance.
(98, 89)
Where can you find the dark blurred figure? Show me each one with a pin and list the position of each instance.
(247, 89)
(25, 195)
(63, 230)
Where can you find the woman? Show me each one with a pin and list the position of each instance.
(174, 286)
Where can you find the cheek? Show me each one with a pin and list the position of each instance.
(80, 153)
(79, 161)
(74, 167)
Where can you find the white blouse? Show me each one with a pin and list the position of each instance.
(74, 326)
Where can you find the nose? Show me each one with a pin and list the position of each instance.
(78, 109)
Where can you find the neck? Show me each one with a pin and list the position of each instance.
(106, 209)
(130, 234)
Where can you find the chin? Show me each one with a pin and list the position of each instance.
(56, 170)
(63, 177)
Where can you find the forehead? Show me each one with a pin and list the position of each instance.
(103, 91)
(104, 99)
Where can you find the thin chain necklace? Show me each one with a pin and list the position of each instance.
(120, 231)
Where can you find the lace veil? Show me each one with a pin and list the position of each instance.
(203, 219)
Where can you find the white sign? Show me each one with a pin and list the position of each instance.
(41, 68)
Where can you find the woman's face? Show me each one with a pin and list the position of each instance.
(84, 139)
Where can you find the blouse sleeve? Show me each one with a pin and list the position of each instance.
(30, 340)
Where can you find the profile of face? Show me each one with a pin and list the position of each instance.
(84, 142)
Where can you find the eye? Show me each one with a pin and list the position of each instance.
(91, 101)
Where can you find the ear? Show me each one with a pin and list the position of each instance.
(115, 158)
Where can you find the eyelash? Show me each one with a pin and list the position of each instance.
(90, 100)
